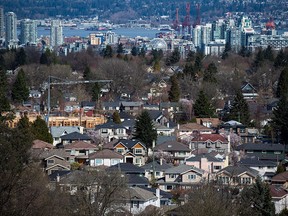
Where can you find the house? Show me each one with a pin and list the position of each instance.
(88, 105)
(78, 151)
(208, 122)
(279, 197)
(131, 107)
(207, 162)
(248, 91)
(265, 168)
(210, 142)
(134, 174)
(110, 106)
(182, 176)
(51, 160)
(187, 130)
(137, 199)
(164, 130)
(35, 94)
(74, 137)
(237, 175)
(165, 197)
(133, 151)
(280, 179)
(105, 157)
(175, 150)
(39, 144)
(158, 167)
(262, 151)
(110, 131)
(57, 132)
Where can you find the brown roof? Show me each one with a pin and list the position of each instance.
(80, 145)
(281, 177)
(39, 144)
(193, 126)
(214, 121)
(105, 153)
(110, 145)
(43, 154)
(277, 191)
(211, 137)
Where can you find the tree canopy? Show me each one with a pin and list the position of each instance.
(174, 92)
(116, 117)
(240, 110)
(40, 130)
(144, 129)
(20, 90)
(202, 107)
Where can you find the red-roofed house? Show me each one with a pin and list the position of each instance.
(279, 197)
(280, 179)
(39, 144)
(79, 151)
(211, 142)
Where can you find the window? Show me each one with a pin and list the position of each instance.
(246, 180)
(208, 144)
(138, 161)
(172, 176)
(50, 161)
(120, 150)
(217, 167)
(135, 204)
(169, 187)
(242, 130)
(138, 151)
(277, 152)
(264, 152)
(120, 131)
(157, 173)
(104, 130)
(191, 177)
(115, 161)
(98, 161)
(218, 144)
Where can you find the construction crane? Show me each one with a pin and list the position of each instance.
(66, 82)
(176, 26)
(187, 21)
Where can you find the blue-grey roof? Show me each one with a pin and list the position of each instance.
(125, 115)
(182, 169)
(154, 114)
(60, 173)
(252, 162)
(59, 131)
(128, 143)
(239, 169)
(163, 194)
(111, 104)
(88, 103)
(127, 168)
(75, 136)
(137, 180)
(109, 125)
(199, 156)
(171, 146)
(128, 123)
(162, 139)
(131, 103)
(261, 147)
(157, 166)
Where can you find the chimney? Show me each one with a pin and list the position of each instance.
(168, 124)
(161, 161)
(57, 178)
(229, 143)
(153, 144)
(158, 197)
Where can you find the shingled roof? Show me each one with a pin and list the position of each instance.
(80, 145)
(105, 153)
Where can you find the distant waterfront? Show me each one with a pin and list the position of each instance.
(129, 32)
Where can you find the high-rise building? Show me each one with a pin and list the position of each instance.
(28, 33)
(56, 34)
(1, 22)
(11, 30)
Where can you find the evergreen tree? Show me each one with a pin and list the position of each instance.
(202, 107)
(126, 58)
(108, 52)
(142, 52)
(87, 75)
(209, 73)
(21, 57)
(258, 59)
(268, 53)
(282, 87)
(280, 168)
(134, 51)
(189, 71)
(256, 200)
(4, 102)
(40, 130)
(280, 120)
(198, 63)
(116, 117)
(227, 49)
(96, 90)
(240, 109)
(174, 58)
(120, 49)
(280, 59)
(174, 92)
(144, 129)
(20, 91)
(190, 56)
(46, 57)
(244, 52)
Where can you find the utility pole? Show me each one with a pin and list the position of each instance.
(66, 82)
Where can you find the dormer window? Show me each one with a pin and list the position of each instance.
(208, 144)
(218, 144)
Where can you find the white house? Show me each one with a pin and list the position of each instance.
(105, 157)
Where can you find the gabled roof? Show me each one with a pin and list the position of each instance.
(80, 145)
(281, 177)
(140, 194)
(247, 88)
(109, 125)
(131, 103)
(60, 173)
(157, 166)
(75, 136)
(163, 194)
(43, 154)
(162, 139)
(210, 137)
(154, 114)
(129, 143)
(105, 153)
(172, 146)
(127, 168)
(199, 156)
(238, 170)
(111, 104)
(193, 126)
(58, 131)
(137, 180)
(181, 169)
(39, 144)
(125, 115)
(259, 163)
(261, 147)
(277, 191)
